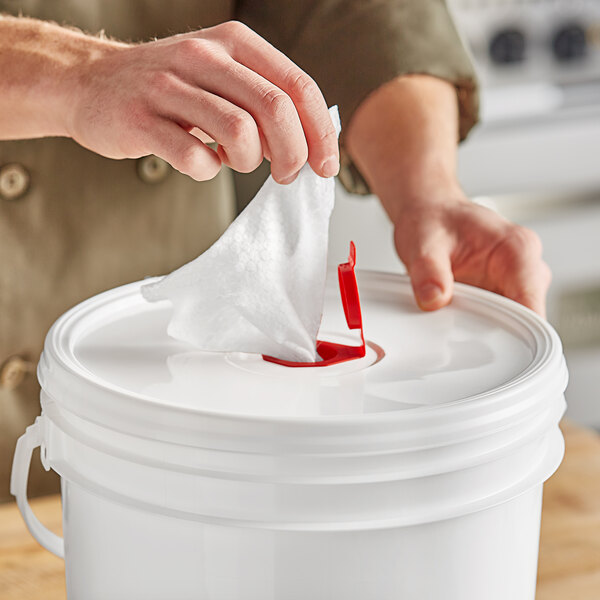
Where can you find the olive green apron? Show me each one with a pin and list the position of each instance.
(73, 223)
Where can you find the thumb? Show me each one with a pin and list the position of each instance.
(431, 276)
(432, 280)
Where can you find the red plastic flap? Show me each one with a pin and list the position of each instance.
(330, 352)
(349, 290)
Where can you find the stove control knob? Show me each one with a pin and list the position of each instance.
(508, 47)
(569, 43)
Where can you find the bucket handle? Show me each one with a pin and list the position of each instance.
(27, 443)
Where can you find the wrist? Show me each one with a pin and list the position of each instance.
(430, 190)
(79, 77)
(403, 139)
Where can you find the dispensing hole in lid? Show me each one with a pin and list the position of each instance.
(330, 352)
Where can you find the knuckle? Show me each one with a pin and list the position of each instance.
(303, 87)
(234, 27)
(238, 126)
(423, 260)
(161, 82)
(327, 134)
(190, 46)
(194, 49)
(188, 160)
(279, 109)
(522, 239)
(293, 160)
(240, 157)
(277, 105)
(191, 161)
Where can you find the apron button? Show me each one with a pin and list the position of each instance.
(14, 181)
(13, 371)
(152, 169)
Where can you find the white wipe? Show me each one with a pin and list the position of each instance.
(260, 287)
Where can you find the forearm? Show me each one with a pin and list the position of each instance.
(403, 138)
(40, 64)
(127, 101)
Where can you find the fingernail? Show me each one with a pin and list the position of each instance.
(428, 294)
(330, 167)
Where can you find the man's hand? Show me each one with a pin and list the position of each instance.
(127, 101)
(455, 239)
(403, 138)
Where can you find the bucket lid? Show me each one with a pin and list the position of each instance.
(111, 361)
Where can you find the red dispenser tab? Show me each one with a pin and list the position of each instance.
(330, 352)
(349, 290)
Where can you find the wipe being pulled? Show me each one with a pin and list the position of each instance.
(260, 287)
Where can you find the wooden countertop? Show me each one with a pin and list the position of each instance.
(569, 553)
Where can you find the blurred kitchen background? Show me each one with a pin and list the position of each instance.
(535, 158)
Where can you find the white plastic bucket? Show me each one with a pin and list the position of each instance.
(411, 473)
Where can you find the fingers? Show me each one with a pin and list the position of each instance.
(426, 254)
(432, 280)
(535, 285)
(236, 132)
(475, 246)
(272, 110)
(182, 150)
(257, 54)
(292, 101)
(518, 268)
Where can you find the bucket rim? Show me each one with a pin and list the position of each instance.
(546, 371)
